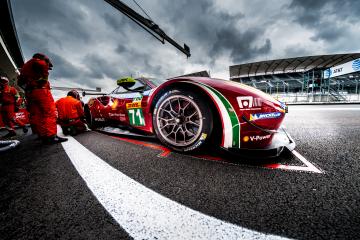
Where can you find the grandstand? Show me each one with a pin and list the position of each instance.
(303, 79)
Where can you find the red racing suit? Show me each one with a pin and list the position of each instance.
(40, 103)
(9, 100)
(70, 113)
(2, 125)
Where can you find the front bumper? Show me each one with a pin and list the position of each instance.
(281, 140)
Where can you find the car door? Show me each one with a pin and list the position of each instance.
(129, 103)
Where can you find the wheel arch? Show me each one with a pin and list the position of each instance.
(217, 135)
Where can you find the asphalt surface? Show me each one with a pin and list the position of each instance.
(44, 197)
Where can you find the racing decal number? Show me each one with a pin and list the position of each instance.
(136, 117)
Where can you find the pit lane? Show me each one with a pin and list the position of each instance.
(294, 204)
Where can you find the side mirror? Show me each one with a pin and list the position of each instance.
(126, 82)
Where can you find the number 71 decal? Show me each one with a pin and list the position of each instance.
(136, 117)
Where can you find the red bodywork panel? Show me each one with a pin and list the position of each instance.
(256, 106)
(22, 115)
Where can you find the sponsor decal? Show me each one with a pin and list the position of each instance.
(201, 140)
(259, 116)
(116, 115)
(133, 105)
(246, 138)
(249, 103)
(121, 116)
(345, 68)
(19, 114)
(203, 136)
(259, 138)
(99, 119)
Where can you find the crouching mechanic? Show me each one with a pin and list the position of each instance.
(10, 102)
(71, 115)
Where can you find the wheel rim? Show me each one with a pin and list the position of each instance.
(179, 120)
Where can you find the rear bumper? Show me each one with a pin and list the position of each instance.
(280, 141)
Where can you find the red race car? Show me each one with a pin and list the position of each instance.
(187, 113)
(22, 115)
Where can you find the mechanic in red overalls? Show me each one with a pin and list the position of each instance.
(71, 115)
(10, 101)
(41, 106)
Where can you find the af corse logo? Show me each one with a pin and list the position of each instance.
(248, 102)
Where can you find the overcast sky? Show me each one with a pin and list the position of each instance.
(92, 45)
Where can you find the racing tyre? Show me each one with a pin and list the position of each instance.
(89, 119)
(182, 120)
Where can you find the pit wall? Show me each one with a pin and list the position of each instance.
(317, 97)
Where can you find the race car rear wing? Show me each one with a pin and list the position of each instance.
(84, 92)
(148, 25)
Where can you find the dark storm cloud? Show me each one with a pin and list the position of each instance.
(100, 67)
(325, 16)
(63, 67)
(217, 31)
(64, 16)
(115, 22)
(91, 43)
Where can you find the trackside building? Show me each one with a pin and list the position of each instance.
(323, 78)
(11, 57)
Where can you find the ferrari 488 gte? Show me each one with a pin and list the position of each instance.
(189, 113)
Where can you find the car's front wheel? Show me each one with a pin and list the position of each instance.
(182, 120)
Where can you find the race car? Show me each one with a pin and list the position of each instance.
(21, 115)
(189, 113)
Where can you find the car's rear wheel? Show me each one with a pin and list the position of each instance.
(89, 118)
(182, 120)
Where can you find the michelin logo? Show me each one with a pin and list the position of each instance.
(258, 116)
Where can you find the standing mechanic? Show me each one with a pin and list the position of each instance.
(71, 115)
(41, 106)
(10, 101)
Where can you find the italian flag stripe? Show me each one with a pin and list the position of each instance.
(230, 119)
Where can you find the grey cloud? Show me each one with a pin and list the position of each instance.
(63, 68)
(217, 31)
(115, 22)
(64, 16)
(315, 15)
(111, 45)
(99, 67)
(120, 49)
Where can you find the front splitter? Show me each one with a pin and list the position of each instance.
(281, 140)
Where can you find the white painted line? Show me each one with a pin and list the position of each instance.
(143, 213)
(310, 167)
(323, 109)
